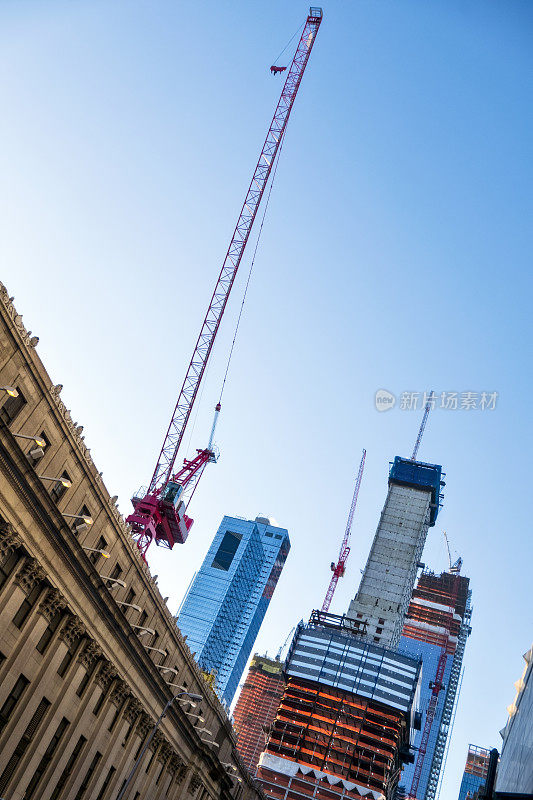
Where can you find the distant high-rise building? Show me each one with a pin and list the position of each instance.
(515, 771)
(477, 764)
(411, 507)
(346, 718)
(257, 707)
(435, 630)
(229, 596)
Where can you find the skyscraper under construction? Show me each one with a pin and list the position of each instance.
(257, 707)
(436, 630)
(345, 722)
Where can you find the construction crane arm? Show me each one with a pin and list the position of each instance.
(427, 409)
(160, 513)
(230, 266)
(339, 568)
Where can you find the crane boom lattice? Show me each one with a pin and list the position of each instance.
(427, 409)
(159, 514)
(204, 344)
(340, 567)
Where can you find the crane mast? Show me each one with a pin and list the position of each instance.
(160, 514)
(339, 568)
(427, 409)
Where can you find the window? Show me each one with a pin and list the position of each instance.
(7, 567)
(150, 761)
(117, 571)
(142, 619)
(36, 452)
(138, 751)
(226, 551)
(160, 774)
(379, 630)
(12, 406)
(115, 718)
(59, 489)
(45, 760)
(130, 597)
(23, 744)
(101, 545)
(67, 658)
(380, 621)
(78, 524)
(99, 703)
(26, 606)
(65, 775)
(106, 783)
(48, 633)
(83, 684)
(12, 700)
(88, 776)
(128, 734)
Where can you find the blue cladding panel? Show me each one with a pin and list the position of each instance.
(430, 655)
(469, 785)
(420, 476)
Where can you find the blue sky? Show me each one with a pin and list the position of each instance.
(395, 255)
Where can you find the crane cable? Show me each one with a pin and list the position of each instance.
(288, 43)
(251, 266)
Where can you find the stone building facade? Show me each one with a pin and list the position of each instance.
(89, 653)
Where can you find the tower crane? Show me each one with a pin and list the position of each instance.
(425, 416)
(284, 645)
(339, 568)
(436, 687)
(159, 514)
(455, 568)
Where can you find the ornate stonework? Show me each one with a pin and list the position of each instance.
(25, 335)
(176, 766)
(72, 631)
(90, 653)
(194, 783)
(9, 540)
(145, 724)
(133, 710)
(29, 575)
(165, 751)
(119, 693)
(52, 602)
(106, 675)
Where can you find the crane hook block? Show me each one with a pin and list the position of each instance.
(274, 70)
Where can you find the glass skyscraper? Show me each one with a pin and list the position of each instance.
(477, 764)
(227, 601)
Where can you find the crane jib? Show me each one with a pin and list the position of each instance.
(159, 514)
(189, 390)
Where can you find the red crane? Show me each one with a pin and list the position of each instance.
(339, 568)
(160, 514)
(433, 700)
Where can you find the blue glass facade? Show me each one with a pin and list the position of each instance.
(430, 655)
(469, 785)
(228, 599)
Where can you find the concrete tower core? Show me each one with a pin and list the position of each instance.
(384, 593)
